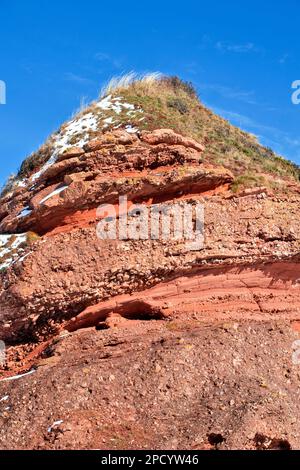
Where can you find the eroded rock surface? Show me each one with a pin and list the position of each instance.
(155, 336)
(162, 385)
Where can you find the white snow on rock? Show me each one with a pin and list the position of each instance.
(79, 127)
(25, 212)
(131, 130)
(54, 425)
(10, 248)
(49, 163)
(77, 131)
(21, 183)
(20, 260)
(56, 191)
(5, 398)
(16, 377)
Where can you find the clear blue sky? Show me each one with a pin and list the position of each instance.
(242, 58)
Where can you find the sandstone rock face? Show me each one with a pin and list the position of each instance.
(166, 136)
(119, 163)
(73, 302)
(158, 385)
(70, 153)
(69, 268)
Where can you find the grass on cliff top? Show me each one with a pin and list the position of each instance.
(171, 103)
(168, 102)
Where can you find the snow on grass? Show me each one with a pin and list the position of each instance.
(10, 249)
(77, 131)
(105, 103)
(82, 125)
(128, 106)
(66, 139)
(116, 104)
(21, 183)
(16, 240)
(109, 120)
(54, 193)
(3, 240)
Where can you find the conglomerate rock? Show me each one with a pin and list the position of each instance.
(161, 339)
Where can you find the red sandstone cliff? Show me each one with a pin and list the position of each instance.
(133, 343)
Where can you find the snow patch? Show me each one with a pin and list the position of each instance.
(16, 377)
(131, 130)
(44, 168)
(77, 131)
(108, 121)
(10, 249)
(128, 106)
(116, 105)
(105, 103)
(79, 128)
(54, 193)
(21, 183)
(4, 398)
(54, 425)
(25, 212)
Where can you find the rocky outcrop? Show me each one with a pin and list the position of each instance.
(118, 163)
(164, 136)
(250, 292)
(66, 287)
(69, 268)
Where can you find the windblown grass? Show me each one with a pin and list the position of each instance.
(131, 79)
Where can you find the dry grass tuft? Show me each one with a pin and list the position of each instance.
(131, 79)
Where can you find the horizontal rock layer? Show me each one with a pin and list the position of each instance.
(69, 269)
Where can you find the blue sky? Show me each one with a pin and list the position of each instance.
(242, 59)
